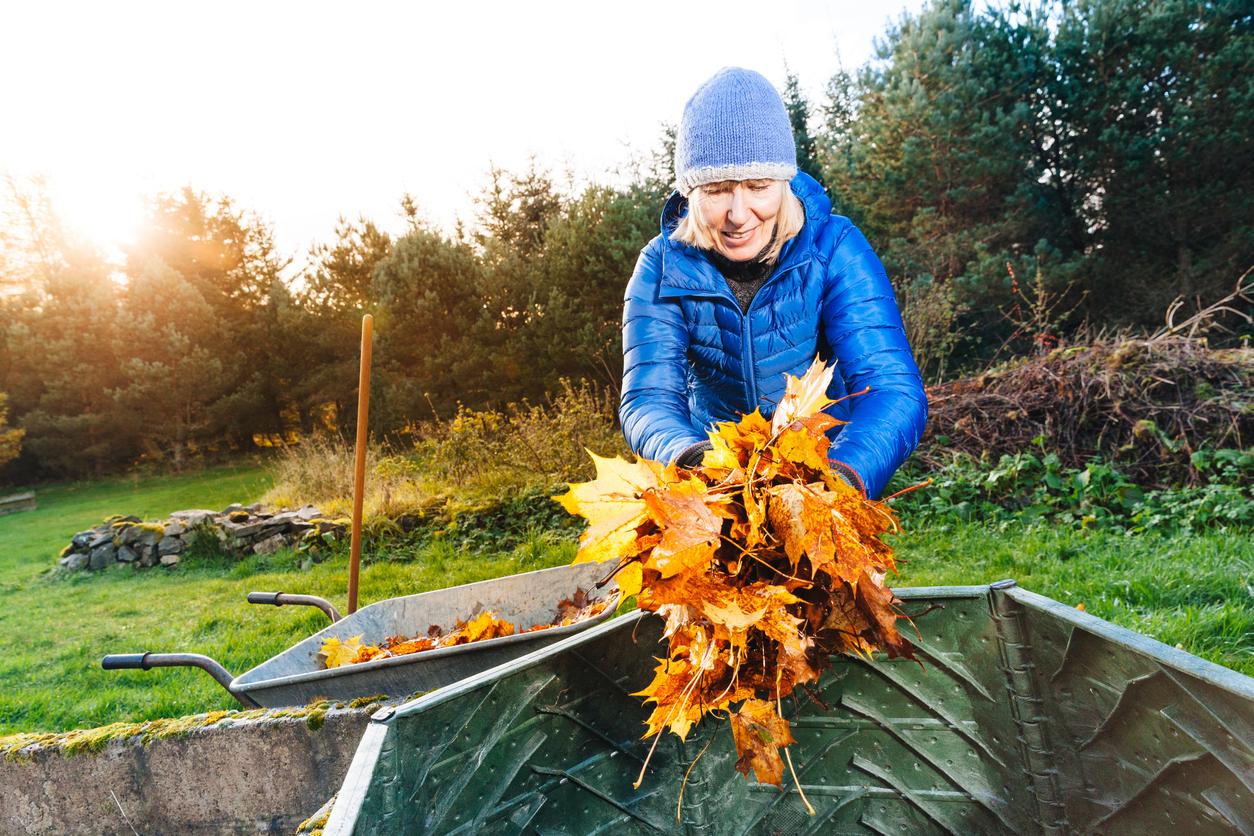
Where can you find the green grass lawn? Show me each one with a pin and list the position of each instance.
(1192, 591)
(1195, 592)
(28, 538)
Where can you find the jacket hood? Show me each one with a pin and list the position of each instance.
(686, 270)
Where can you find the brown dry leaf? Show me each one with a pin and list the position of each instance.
(880, 603)
(760, 733)
(856, 527)
(792, 671)
(570, 607)
(845, 626)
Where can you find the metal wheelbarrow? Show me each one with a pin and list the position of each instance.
(296, 676)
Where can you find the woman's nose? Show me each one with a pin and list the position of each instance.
(738, 212)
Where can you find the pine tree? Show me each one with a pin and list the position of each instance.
(323, 326)
(229, 258)
(1152, 102)
(930, 152)
(798, 109)
(173, 376)
(438, 342)
(61, 366)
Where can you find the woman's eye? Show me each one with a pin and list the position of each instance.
(759, 186)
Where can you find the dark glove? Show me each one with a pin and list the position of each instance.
(850, 477)
(692, 455)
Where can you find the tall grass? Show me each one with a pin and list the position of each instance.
(475, 456)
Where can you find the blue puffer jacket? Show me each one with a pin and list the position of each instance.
(691, 358)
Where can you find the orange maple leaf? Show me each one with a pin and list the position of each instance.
(760, 733)
(690, 529)
(485, 625)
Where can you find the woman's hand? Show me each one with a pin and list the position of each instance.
(692, 455)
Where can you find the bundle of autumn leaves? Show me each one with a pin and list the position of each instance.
(762, 561)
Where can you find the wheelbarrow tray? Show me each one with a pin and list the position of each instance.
(296, 676)
(1025, 716)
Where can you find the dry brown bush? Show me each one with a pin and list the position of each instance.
(1145, 404)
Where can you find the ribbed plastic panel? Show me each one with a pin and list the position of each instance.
(1024, 717)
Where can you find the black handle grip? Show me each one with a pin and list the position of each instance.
(125, 661)
(264, 598)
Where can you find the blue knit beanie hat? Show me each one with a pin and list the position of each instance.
(734, 127)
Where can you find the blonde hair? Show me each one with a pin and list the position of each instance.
(693, 230)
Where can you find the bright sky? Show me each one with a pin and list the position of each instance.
(303, 111)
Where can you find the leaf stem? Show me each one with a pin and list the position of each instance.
(904, 491)
(779, 706)
(683, 785)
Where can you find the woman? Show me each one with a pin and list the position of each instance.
(751, 277)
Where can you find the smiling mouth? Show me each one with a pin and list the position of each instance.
(739, 236)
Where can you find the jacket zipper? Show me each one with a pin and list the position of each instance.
(746, 336)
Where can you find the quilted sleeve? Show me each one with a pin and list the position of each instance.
(654, 405)
(863, 327)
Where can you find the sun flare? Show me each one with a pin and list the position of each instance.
(104, 213)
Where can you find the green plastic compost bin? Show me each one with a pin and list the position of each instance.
(1026, 716)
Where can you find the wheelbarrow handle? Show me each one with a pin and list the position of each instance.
(279, 599)
(148, 661)
(125, 661)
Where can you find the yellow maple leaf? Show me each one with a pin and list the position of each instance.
(804, 396)
(486, 625)
(675, 686)
(613, 504)
(630, 579)
(336, 653)
(802, 447)
(721, 456)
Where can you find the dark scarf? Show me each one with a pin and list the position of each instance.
(745, 278)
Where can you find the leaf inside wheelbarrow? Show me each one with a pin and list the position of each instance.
(481, 627)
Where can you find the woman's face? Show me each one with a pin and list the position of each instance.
(741, 214)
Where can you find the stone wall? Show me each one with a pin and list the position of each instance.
(13, 503)
(248, 772)
(237, 530)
